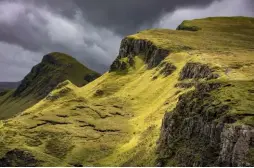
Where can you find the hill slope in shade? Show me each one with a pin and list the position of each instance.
(54, 69)
(172, 98)
(43, 78)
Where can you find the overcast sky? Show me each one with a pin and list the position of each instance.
(90, 30)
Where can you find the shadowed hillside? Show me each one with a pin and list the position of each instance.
(171, 98)
(43, 78)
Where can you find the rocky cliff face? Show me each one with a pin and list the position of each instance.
(236, 145)
(200, 131)
(132, 47)
(195, 70)
(196, 142)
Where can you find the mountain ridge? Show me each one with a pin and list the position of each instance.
(202, 89)
(54, 69)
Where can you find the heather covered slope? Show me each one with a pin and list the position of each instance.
(43, 78)
(200, 82)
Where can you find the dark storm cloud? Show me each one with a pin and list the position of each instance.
(90, 30)
(127, 16)
(38, 28)
(121, 16)
(217, 8)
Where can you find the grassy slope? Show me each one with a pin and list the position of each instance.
(41, 80)
(115, 120)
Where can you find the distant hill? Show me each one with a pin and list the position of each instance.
(43, 78)
(54, 69)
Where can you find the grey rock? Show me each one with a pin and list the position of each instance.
(235, 144)
(194, 133)
(18, 158)
(194, 70)
(133, 47)
(168, 69)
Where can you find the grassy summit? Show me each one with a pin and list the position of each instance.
(116, 119)
(215, 34)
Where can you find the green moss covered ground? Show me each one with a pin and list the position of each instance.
(116, 119)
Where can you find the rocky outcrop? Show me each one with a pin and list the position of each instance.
(118, 65)
(196, 133)
(99, 92)
(18, 158)
(236, 142)
(168, 68)
(195, 70)
(62, 92)
(132, 47)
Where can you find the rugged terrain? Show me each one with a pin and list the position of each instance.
(171, 98)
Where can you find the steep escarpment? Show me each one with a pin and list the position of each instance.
(131, 47)
(205, 129)
(200, 132)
